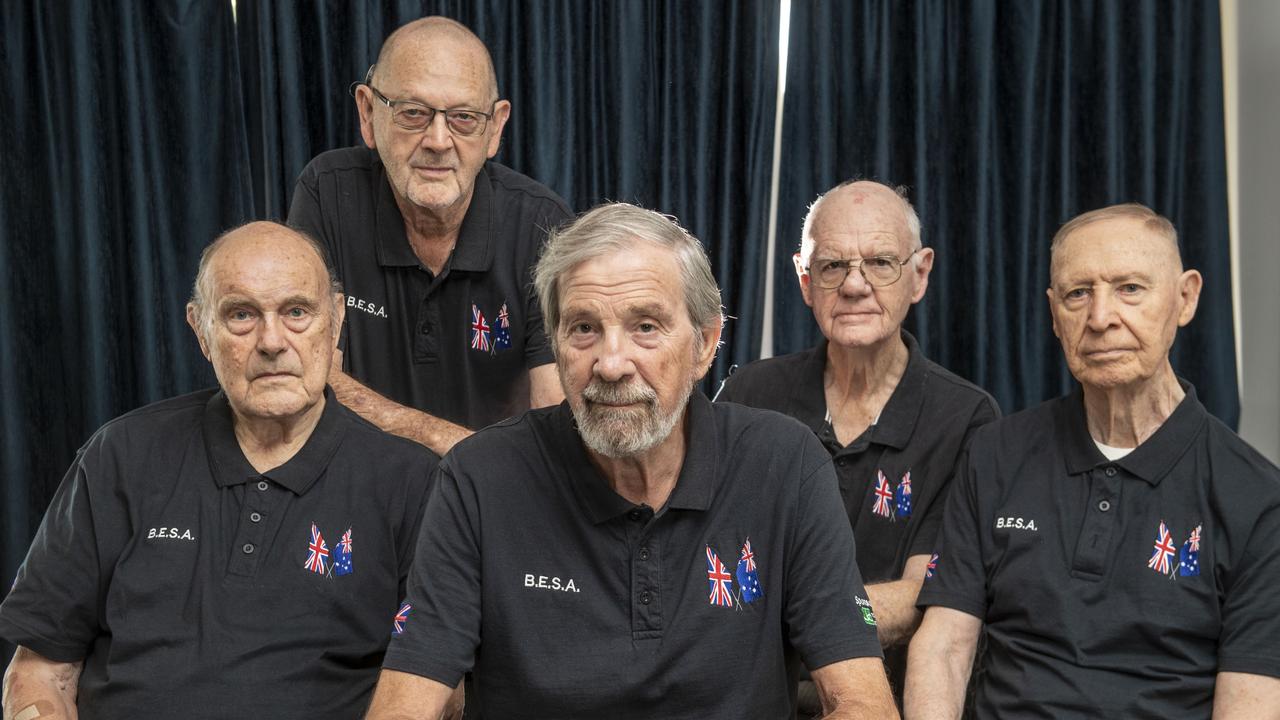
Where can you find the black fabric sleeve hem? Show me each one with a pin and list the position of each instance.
(46, 648)
(1250, 664)
(416, 666)
(842, 653)
(975, 608)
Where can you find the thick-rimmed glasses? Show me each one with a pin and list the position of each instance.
(415, 116)
(879, 271)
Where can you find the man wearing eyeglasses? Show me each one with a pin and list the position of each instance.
(434, 244)
(893, 421)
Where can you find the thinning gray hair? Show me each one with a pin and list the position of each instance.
(909, 216)
(615, 227)
(201, 292)
(1151, 221)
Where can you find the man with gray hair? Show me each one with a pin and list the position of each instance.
(434, 243)
(636, 552)
(234, 552)
(1120, 545)
(893, 421)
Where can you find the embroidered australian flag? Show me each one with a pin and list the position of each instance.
(902, 497)
(479, 330)
(932, 567)
(502, 330)
(342, 555)
(1189, 555)
(748, 574)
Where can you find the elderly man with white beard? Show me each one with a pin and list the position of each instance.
(637, 551)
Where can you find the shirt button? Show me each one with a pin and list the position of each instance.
(248, 548)
(1111, 472)
(425, 330)
(645, 598)
(644, 553)
(842, 462)
(1104, 505)
(634, 515)
(262, 485)
(255, 517)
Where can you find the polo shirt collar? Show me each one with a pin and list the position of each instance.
(474, 250)
(299, 473)
(898, 418)
(1150, 461)
(698, 474)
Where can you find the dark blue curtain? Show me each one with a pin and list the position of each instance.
(123, 157)
(1005, 119)
(667, 104)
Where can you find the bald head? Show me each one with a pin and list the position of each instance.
(1123, 223)
(248, 241)
(859, 197)
(433, 41)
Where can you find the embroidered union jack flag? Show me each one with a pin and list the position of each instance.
(748, 578)
(721, 581)
(1162, 558)
(479, 330)
(342, 555)
(402, 617)
(884, 496)
(502, 330)
(317, 552)
(1189, 555)
(932, 566)
(902, 497)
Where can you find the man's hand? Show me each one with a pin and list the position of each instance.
(37, 687)
(938, 664)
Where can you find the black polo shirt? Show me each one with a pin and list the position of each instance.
(186, 582)
(1114, 589)
(457, 345)
(568, 601)
(916, 441)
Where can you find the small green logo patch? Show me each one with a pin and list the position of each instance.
(868, 617)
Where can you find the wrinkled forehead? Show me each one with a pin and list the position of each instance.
(275, 262)
(1114, 248)
(416, 64)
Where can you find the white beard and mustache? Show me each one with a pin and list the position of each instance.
(625, 432)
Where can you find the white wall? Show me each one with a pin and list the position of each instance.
(1257, 191)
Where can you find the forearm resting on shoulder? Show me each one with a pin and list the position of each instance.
(894, 603)
(855, 688)
(37, 687)
(939, 662)
(404, 696)
(437, 434)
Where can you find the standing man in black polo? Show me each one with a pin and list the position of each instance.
(239, 552)
(893, 421)
(636, 552)
(434, 245)
(1121, 545)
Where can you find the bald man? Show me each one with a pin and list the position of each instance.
(1120, 545)
(434, 244)
(893, 421)
(235, 552)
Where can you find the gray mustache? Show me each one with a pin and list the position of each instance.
(619, 393)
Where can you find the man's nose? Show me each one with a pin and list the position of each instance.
(436, 137)
(613, 362)
(271, 335)
(1102, 311)
(854, 283)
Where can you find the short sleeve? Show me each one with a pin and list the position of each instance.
(925, 540)
(55, 605)
(957, 578)
(1251, 606)
(414, 507)
(442, 631)
(825, 595)
(304, 209)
